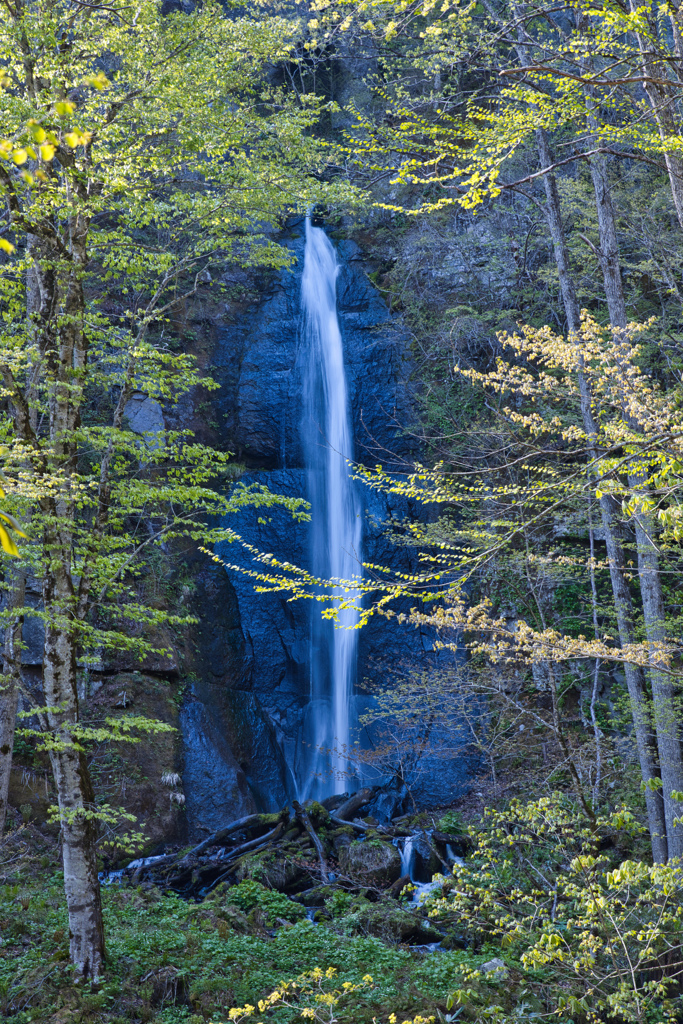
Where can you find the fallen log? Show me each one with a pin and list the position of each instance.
(236, 826)
(139, 866)
(462, 843)
(331, 803)
(260, 842)
(358, 825)
(355, 802)
(234, 860)
(303, 817)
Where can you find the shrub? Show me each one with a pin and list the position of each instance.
(590, 935)
(249, 895)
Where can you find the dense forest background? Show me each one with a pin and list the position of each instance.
(510, 177)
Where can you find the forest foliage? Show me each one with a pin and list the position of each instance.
(142, 151)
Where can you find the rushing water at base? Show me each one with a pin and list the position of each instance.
(336, 522)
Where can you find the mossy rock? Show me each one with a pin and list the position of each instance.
(317, 896)
(272, 868)
(317, 813)
(234, 921)
(373, 863)
(454, 939)
(341, 838)
(389, 922)
(264, 906)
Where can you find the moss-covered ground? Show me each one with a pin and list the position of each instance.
(171, 961)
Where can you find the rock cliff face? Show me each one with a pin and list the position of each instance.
(259, 366)
(244, 716)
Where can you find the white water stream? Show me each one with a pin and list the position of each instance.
(336, 522)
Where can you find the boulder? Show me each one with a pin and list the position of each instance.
(341, 838)
(144, 415)
(389, 922)
(426, 862)
(371, 861)
(495, 970)
(273, 868)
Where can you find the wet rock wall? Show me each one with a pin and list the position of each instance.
(245, 710)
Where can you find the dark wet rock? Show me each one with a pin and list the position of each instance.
(371, 862)
(426, 862)
(217, 660)
(390, 802)
(215, 786)
(33, 636)
(389, 922)
(316, 896)
(161, 659)
(250, 666)
(460, 845)
(273, 868)
(259, 365)
(277, 647)
(342, 838)
(399, 885)
(177, 6)
(454, 939)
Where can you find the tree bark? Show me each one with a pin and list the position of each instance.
(609, 512)
(663, 693)
(63, 353)
(9, 694)
(313, 836)
(662, 101)
(75, 795)
(346, 810)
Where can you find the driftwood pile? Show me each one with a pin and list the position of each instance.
(313, 830)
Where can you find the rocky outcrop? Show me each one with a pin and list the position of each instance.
(390, 922)
(248, 692)
(371, 861)
(259, 363)
(140, 777)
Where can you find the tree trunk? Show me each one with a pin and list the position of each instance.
(662, 101)
(14, 627)
(74, 790)
(663, 693)
(9, 695)
(645, 741)
(65, 357)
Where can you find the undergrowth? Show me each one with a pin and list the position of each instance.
(170, 961)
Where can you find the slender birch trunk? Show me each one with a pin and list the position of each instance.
(75, 795)
(635, 681)
(662, 98)
(72, 780)
(9, 694)
(664, 700)
(646, 741)
(62, 352)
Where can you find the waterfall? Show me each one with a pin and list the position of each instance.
(407, 856)
(336, 522)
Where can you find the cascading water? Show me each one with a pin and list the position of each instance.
(336, 523)
(407, 855)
